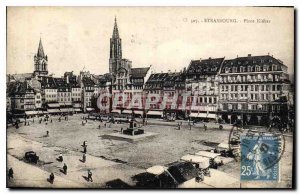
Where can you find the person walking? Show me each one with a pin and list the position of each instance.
(83, 158)
(65, 168)
(10, 173)
(51, 178)
(205, 127)
(60, 157)
(90, 174)
(84, 149)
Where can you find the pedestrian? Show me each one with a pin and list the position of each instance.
(47, 133)
(205, 127)
(178, 126)
(90, 176)
(10, 173)
(60, 157)
(51, 121)
(84, 143)
(51, 178)
(221, 127)
(85, 120)
(59, 119)
(33, 120)
(99, 127)
(122, 130)
(84, 149)
(83, 158)
(82, 123)
(65, 168)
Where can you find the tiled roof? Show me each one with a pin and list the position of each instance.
(48, 82)
(88, 81)
(205, 66)
(252, 61)
(139, 72)
(22, 76)
(18, 88)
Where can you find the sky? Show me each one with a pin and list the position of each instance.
(167, 38)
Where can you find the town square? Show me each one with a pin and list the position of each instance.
(81, 115)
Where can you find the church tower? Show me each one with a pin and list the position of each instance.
(115, 50)
(40, 61)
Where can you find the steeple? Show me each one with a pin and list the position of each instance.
(40, 52)
(115, 50)
(116, 31)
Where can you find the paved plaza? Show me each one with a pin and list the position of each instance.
(111, 159)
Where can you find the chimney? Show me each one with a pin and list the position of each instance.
(67, 79)
(249, 55)
(200, 60)
(237, 56)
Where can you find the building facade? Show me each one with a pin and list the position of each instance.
(252, 89)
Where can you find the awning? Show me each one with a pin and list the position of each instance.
(32, 112)
(159, 113)
(207, 154)
(138, 112)
(66, 110)
(211, 116)
(77, 109)
(77, 105)
(202, 161)
(90, 109)
(156, 170)
(54, 105)
(53, 110)
(223, 146)
(200, 115)
(203, 115)
(127, 112)
(116, 111)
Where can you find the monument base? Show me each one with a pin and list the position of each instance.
(130, 138)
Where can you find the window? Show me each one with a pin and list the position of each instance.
(257, 68)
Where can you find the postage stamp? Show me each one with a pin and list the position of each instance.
(260, 156)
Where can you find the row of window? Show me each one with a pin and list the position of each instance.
(250, 78)
(235, 88)
(251, 97)
(256, 68)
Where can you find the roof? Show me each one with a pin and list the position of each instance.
(48, 82)
(40, 52)
(22, 76)
(182, 171)
(18, 88)
(252, 61)
(88, 81)
(208, 66)
(139, 72)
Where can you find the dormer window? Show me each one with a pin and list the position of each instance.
(257, 68)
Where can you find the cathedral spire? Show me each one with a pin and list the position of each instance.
(116, 31)
(40, 52)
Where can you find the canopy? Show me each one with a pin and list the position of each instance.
(138, 112)
(53, 110)
(53, 105)
(207, 154)
(77, 109)
(154, 113)
(156, 170)
(31, 112)
(223, 146)
(127, 111)
(90, 109)
(202, 115)
(116, 111)
(202, 161)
